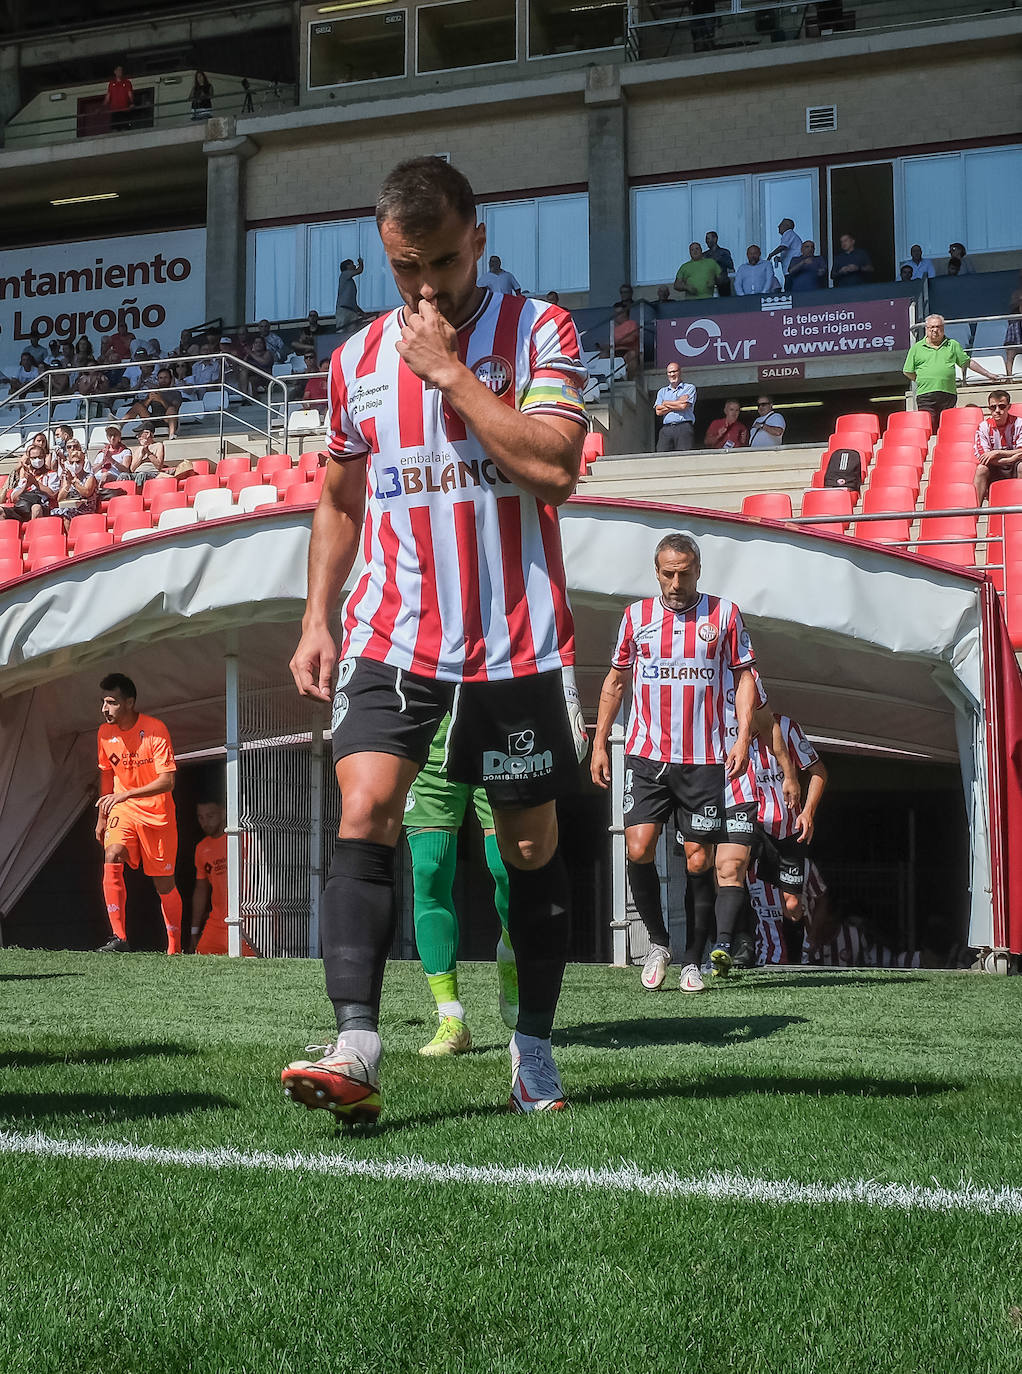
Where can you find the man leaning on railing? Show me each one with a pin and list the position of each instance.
(931, 364)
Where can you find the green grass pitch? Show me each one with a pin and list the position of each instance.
(152, 1267)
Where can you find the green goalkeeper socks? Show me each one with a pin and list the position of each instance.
(500, 896)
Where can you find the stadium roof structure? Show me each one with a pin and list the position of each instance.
(866, 647)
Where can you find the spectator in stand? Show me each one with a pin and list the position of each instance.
(919, 266)
(957, 253)
(626, 339)
(67, 355)
(153, 347)
(184, 343)
(998, 444)
(768, 427)
(808, 272)
(311, 325)
(84, 356)
(788, 249)
(259, 354)
(161, 403)
(722, 257)
(697, 277)
(62, 436)
(663, 294)
(206, 372)
(347, 311)
(626, 296)
(151, 458)
(113, 461)
(728, 432)
(120, 100)
(754, 277)
(273, 340)
(852, 266)
(59, 384)
(201, 96)
(500, 280)
(78, 493)
(1013, 333)
(114, 369)
(553, 297)
(315, 393)
(905, 272)
(931, 363)
(32, 490)
(137, 377)
(35, 349)
(675, 405)
(121, 345)
(28, 370)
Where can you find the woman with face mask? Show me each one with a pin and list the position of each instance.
(79, 490)
(33, 488)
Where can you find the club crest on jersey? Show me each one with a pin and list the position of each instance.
(707, 632)
(496, 373)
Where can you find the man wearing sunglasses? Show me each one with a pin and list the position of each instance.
(998, 444)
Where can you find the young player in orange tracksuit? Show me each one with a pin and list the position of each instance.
(136, 821)
(209, 901)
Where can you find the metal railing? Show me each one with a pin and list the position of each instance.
(37, 402)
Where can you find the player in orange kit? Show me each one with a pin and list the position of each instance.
(136, 821)
(209, 901)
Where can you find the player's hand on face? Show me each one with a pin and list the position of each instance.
(804, 827)
(314, 663)
(599, 767)
(428, 343)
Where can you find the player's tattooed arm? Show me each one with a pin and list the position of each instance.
(538, 452)
(336, 527)
(611, 696)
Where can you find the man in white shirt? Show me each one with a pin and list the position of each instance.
(500, 280)
(789, 248)
(755, 278)
(767, 430)
(921, 267)
(675, 405)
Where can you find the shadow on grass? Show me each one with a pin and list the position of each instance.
(25, 977)
(102, 1108)
(670, 1030)
(835, 979)
(35, 1059)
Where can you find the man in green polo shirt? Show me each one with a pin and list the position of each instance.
(931, 363)
(697, 277)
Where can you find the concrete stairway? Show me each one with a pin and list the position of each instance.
(705, 477)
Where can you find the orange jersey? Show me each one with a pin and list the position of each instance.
(211, 867)
(136, 757)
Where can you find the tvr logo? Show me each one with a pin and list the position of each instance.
(704, 335)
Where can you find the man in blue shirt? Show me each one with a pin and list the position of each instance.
(807, 272)
(852, 266)
(675, 404)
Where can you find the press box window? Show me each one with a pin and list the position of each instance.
(565, 26)
(468, 33)
(368, 47)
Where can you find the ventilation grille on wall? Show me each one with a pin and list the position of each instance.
(821, 119)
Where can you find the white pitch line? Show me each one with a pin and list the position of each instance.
(629, 1178)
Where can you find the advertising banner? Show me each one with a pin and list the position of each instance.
(154, 284)
(785, 333)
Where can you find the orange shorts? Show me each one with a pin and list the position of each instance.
(155, 846)
(213, 939)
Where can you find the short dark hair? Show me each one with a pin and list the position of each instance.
(1000, 395)
(118, 682)
(348, 262)
(419, 194)
(677, 543)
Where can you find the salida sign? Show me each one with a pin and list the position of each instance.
(149, 284)
(784, 334)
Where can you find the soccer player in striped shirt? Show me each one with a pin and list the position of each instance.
(681, 651)
(456, 427)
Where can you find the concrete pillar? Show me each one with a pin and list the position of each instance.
(226, 155)
(10, 84)
(609, 220)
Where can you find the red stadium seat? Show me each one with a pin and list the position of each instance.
(10, 534)
(120, 505)
(953, 470)
(895, 475)
(311, 460)
(953, 448)
(121, 488)
(294, 477)
(903, 420)
(950, 527)
(84, 524)
(167, 500)
(1013, 615)
(770, 505)
(10, 568)
(317, 480)
(202, 467)
(863, 424)
(157, 486)
(131, 520)
(301, 494)
(950, 496)
(94, 539)
(829, 501)
(1016, 410)
(592, 449)
(960, 420)
(200, 482)
(816, 481)
(905, 455)
(55, 545)
(238, 481)
(1006, 492)
(271, 464)
(852, 438)
(43, 528)
(227, 467)
(43, 559)
(877, 501)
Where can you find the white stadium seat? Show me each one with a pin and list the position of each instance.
(98, 436)
(215, 400)
(249, 498)
(175, 518)
(191, 412)
(282, 369)
(217, 501)
(305, 422)
(136, 534)
(66, 411)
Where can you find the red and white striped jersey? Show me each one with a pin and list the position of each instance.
(774, 816)
(681, 662)
(464, 578)
(768, 905)
(740, 791)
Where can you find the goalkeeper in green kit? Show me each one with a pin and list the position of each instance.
(434, 812)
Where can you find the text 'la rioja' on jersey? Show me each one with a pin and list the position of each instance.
(682, 664)
(464, 578)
